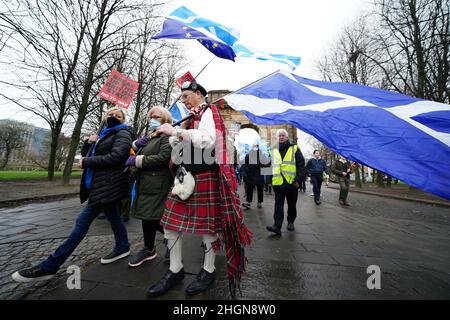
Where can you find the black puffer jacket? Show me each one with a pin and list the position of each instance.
(109, 181)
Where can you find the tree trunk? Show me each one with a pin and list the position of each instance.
(5, 161)
(52, 157)
(96, 42)
(363, 176)
(357, 177)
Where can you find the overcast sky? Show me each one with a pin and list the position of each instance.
(302, 28)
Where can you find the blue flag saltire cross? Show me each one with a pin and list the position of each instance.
(405, 137)
(182, 23)
(249, 52)
(178, 111)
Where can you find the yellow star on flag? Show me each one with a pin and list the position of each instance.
(188, 35)
(215, 45)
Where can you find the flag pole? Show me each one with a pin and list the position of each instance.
(195, 78)
(247, 85)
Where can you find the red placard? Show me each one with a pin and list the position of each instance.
(119, 89)
(185, 77)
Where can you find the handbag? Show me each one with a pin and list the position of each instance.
(184, 183)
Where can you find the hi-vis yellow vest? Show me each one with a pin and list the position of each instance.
(285, 167)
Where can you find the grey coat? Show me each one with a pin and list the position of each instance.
(153, 180)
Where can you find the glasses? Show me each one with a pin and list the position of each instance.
(184, 96)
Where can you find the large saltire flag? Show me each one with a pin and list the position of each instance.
(405, 137)
(182, 23)
(249, 52)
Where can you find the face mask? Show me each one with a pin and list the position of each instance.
(154, 123)
(112, 122)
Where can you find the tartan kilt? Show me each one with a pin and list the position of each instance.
(200, 213)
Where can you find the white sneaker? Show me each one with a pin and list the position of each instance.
(259, 205)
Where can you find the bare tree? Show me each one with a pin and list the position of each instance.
(112, 19)
(46, 36)
(12, 135)
(414, 41)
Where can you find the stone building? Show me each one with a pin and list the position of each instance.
(235, 119)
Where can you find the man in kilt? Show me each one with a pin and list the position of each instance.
(213, 209)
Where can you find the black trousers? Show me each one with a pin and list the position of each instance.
(149, 228)
(291, 195)
(317, 185)
(249, 187)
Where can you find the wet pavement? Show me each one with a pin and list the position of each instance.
(326, 257)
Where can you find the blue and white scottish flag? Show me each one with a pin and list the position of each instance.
(248, 52)
(178, 111)
(405, 137)
(185, 24)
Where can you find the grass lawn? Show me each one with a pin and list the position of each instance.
(31, 175)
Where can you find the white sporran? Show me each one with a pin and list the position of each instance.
(184, 184)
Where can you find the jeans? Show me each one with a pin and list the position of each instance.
(291, 195)
(317, 184)
(84, 221)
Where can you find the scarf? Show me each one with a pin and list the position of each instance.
(91, 153)
(235, 234)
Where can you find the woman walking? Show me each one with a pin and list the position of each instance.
(153, 182)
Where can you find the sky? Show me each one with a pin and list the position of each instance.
(304, 28)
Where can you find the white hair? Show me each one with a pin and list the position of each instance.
(282, 131)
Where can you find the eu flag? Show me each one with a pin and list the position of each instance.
(184, 24)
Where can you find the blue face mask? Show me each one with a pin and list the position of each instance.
(154, 124)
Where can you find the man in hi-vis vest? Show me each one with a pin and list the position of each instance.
(288, 169)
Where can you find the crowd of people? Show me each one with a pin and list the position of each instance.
(179, 195)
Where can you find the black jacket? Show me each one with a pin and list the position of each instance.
(316, 166)
(252, 168)
(109, 181)
(339, 167)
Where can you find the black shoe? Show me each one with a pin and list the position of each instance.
(318, 202)
(290, 227)
(203, 280)
(125, 218)
(141, 257)
(169, 280)
(274, 229)
(114, 256)
(101, 216)
(35, 273)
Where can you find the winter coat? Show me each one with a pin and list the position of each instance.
(316, 167)
(299, 164)
(110, 183)
(253, 170)
(153, 179)
(339, 167)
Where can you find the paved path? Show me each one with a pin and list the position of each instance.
(326, 257)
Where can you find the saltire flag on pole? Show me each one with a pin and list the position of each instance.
(182, 23)
(249, 52)
(405, 137)
(178, 111)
